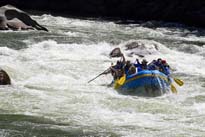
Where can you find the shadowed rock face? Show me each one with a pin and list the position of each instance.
(3, 25)
(4, 78)
(190, 12)
(15, 19)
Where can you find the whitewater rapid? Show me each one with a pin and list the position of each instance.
(50, 95)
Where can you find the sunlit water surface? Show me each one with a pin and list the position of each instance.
(50, 96)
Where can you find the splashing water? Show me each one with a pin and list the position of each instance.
(50, 95)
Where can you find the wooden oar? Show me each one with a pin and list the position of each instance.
(179, 81)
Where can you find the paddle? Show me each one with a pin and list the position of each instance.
(173, 89)
(104, 72)
(120, 82)
(179, 81)
(116, 52)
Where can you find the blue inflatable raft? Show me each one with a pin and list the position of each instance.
(144, 83)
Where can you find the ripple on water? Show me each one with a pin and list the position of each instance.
(50, 95)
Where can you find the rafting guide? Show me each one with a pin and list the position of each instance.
(141, 78)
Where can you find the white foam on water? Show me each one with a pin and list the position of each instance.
(50, 80)
(55, 76)
(199, 107)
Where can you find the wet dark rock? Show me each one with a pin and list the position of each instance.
(15, 19)
(191, 12)
(140, 48)
(4, 78)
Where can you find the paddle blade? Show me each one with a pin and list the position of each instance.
(120, 82)
(173, 89)
(115, 53)
(179, 82)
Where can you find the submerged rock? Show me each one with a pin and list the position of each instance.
(16, 19)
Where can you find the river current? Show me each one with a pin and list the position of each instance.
(50, 96)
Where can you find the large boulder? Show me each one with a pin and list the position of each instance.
(16, 19)
(190, 12)
(3, 25)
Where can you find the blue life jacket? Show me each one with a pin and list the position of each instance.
(139, 69)
(166, 70)
(137, 65)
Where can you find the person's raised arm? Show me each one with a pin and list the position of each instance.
(123, 58)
